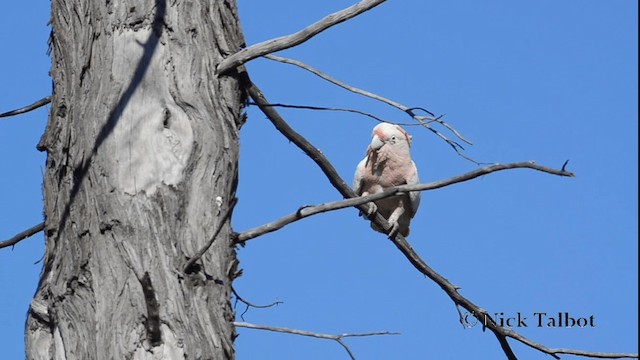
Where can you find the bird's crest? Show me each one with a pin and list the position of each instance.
(406, 134)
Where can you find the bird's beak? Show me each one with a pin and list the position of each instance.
(376, 142)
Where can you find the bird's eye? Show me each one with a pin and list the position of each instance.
(394, 138)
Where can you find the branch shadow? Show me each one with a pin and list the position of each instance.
(80, 173)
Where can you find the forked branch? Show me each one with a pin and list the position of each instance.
(401, 243)
(425, 121)
(338, 338)
(249, 304)
(285, 42)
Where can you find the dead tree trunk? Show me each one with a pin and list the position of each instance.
(142, 144)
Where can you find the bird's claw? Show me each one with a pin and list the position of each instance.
(394, 229)
(373, 208)
(370, 210)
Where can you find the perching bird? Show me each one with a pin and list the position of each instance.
(388, 163)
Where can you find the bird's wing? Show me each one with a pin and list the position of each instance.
(357, 177)
(414, 196)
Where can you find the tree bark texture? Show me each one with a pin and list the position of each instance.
(142, 144)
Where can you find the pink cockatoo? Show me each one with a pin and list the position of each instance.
(388, 163)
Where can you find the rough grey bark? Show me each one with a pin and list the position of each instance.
(142, 144)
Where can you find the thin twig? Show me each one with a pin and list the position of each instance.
(309, 210)
(309, 107)
(21, 236)
(35, 105)
(339, 83)
(324, 108)
(206, 247)
(423, 120)
(337, 338)
(401, 243)
(248, 304)
(285, 42)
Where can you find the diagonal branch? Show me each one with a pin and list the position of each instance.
(206, 247)
(21, 236)
(423, 120)
(297, 38)
(338, 338)
(403, 246)
(35, 105)
(307, 211)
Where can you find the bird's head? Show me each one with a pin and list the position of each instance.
(386, 134)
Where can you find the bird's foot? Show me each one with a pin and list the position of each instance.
(370, 211)
(394, 229)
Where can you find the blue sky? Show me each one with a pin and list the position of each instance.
(545, 81)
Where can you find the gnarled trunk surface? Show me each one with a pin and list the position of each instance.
(142, 145)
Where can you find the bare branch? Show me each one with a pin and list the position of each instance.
(482, 315)
(248, 304)
(401, 243)
(339, 83)
(301, 213)
(206, 247)
(238, 297)
(35, 105)
(556, 352)
(309, 107)
(598, 355)
(337, 338)
(309, 210)
(285, 42)
(21, 236)
(423, 120)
